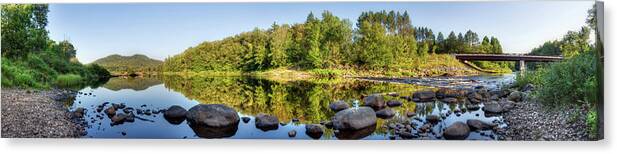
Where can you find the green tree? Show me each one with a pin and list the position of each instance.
(280, 40)
(23, 29)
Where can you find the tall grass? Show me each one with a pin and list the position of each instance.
(69, 80)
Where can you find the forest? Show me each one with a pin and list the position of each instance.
(31, 59)
(379, 41)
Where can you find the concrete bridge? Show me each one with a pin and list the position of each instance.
(507, 57)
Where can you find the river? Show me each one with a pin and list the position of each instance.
(304, 101)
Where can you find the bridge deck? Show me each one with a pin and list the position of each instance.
(507, 57)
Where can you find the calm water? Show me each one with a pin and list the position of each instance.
(304, 100)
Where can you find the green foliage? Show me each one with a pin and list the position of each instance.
(118, 64)
(68, 80)
(23, 29)
(592, 124)
(382, 40)
(30, 59)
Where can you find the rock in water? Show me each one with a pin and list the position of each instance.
(354, 118)
(266, 122)
(338, 106)
(447, 92)
(424, 96)
(410, 114)
(314, 131)
(291, 133)
(433, 118)
(374, 101)
(385, 113)
(394, 103)
(516, 96)
(456, 131)
(212, 115)
(246, 119)
(175, 111)
(111, 111)
(472, 107)
(475, 98)
(118, 118)
(79, 112)
(477, 125)
(492, 108)
(175, 114)
(450, 100)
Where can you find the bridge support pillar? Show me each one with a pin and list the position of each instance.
(521, 65)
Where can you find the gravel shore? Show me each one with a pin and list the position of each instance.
(532, 121)
(38, 114)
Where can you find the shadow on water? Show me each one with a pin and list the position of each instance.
(294, 103)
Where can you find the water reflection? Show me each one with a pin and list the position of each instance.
(305, 101)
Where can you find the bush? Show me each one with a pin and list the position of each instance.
(570, 81)
(69, 80)
(329, 73)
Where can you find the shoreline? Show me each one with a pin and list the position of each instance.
(39, 114)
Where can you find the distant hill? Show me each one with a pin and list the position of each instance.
(126, 65)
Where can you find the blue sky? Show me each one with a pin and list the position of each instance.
(165, 29)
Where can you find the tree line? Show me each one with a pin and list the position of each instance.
(379, 40)
(31, 59)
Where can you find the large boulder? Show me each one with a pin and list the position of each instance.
(212, 115)
(492, 108)
(506, 105)
(475, 124)
(385, 113)
(338, 106)
(516, 96)
(266, 122)
(456, 131)
(354, 118)
(374, 101)
(313, 131)
(111, 111)
(175, 114)
(394, 103)
(447, 92)
(424, 96)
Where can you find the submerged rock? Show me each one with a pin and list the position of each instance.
(212, 115)
(79, 112)
(338, 106)
(314, 131)
(424, 96)
(354, 118)
(266, 122)
(385, 113)
(374, 101)
(456, 131)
